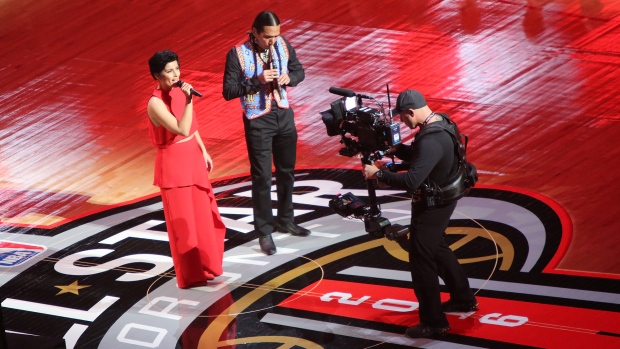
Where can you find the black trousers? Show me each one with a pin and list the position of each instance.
(272, 135)
(3, 344)
(430, 257)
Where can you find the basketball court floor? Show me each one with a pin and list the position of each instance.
(84, 256)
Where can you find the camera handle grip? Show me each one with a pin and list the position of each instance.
(367, 158)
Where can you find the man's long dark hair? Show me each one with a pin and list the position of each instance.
(265, 19)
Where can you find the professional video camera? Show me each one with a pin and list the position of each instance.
(370, 129)
(369, 133)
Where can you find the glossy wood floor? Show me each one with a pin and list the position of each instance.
(533, 83)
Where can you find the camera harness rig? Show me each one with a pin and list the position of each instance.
(459, 184)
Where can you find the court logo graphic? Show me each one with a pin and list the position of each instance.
(339, 283)
(15, 253)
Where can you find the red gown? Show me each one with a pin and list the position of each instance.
(195, 229)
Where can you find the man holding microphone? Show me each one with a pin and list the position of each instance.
(258, 73)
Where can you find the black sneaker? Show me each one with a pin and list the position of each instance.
(459, 307)
(291, 228)
(423, 331)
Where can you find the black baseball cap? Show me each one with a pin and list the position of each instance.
(409, 99)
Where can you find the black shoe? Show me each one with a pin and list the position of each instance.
(423, 331)
(459, 307)
(267, 245)
(292, 228)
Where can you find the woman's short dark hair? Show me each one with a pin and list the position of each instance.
(265, 19)
(158, 62)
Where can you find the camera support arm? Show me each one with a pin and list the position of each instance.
(373, 207)
(374, 224)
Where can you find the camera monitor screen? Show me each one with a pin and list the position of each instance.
(349, 103)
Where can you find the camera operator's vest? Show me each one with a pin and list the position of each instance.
(259, 103)
(456, 186)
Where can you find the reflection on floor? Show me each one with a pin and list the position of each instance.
(84, 258)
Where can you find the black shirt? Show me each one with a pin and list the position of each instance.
(431, 156)
(236, 85)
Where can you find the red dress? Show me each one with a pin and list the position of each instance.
(195, 229)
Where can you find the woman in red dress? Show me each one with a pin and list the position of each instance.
(195, 228)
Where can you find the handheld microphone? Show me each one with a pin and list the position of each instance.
(342, 92)
(194, 92)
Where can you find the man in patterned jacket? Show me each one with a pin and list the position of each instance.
(258, 73)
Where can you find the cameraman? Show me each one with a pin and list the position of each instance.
(432, 157)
